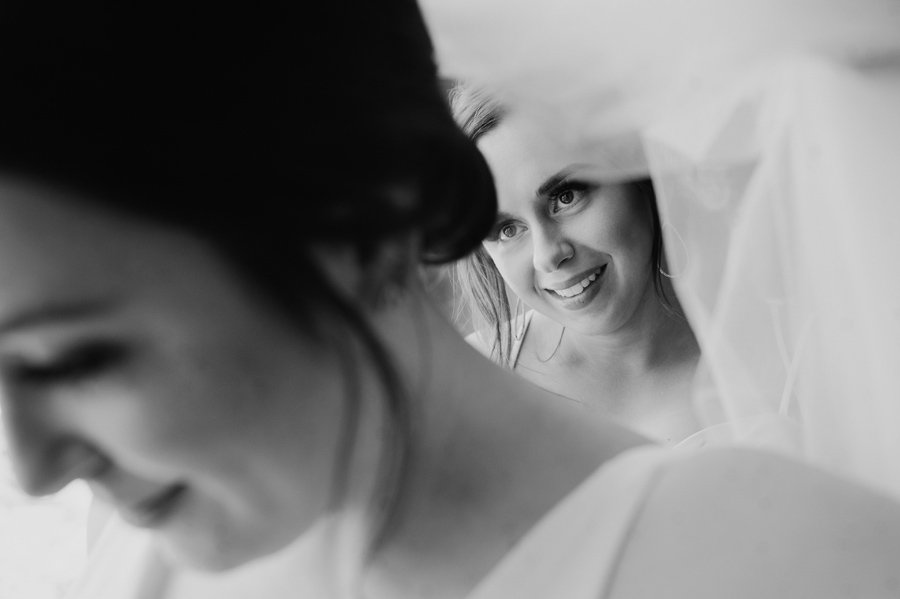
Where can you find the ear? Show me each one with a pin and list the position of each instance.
(374, 279)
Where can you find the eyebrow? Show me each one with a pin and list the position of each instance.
(546, 188)
(55, 314)
(554, 181)
(503, 217)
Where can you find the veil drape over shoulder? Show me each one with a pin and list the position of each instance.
(771, 129)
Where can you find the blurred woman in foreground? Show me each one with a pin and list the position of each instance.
(230, 371)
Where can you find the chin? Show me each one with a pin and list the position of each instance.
(207, 559)
(216, 550)
(208, 536)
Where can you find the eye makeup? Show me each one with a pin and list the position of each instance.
(75, 363)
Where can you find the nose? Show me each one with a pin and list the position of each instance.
(44, 460)
(551, 248)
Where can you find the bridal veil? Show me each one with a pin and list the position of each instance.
(771, 130)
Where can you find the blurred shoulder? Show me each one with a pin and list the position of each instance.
(765, 479)
(749, 523)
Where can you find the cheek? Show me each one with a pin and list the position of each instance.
(516, 267)
(183, 412)
(639, 237)
(164, 430)
(626, 229)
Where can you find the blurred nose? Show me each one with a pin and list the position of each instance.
(45, 460)
(551, 248)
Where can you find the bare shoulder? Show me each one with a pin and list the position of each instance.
(746, 523)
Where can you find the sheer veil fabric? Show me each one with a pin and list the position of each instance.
(771, 129)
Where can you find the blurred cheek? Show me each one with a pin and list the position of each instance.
(208, 537)
(148, 433)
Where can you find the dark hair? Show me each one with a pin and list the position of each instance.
(483, 290)
(261, 128)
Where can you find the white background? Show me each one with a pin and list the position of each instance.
(43, 541)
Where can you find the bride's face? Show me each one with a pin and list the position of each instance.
(571, 247)
(132, 357)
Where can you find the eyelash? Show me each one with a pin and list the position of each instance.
(72, 366)
(494, 235)
(578, 189)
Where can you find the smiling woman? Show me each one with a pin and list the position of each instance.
(584, 253)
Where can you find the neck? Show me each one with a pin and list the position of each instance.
(653, 338)
(640, 374)
(486, 464)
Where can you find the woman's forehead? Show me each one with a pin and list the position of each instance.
(527, 148)
(523, 155)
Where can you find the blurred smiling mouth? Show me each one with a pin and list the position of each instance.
(579, 287)
(154, 509)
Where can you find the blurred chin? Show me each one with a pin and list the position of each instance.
(213, 557)
(206, 557)
(210, 535)
(221, 548)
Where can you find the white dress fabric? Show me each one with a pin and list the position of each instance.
(771, 130)
(574, 550)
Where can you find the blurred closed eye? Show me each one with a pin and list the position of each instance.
(77, 364)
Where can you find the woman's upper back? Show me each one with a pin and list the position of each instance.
(741, 523)
(720, 523)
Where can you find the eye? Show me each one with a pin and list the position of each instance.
(508, 231)
(566, 197)
(73, 365)
(505, 231)
(569, 194)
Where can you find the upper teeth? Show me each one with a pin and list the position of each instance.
(577, 287)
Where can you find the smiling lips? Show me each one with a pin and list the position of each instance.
(579, 287)
(153, 510)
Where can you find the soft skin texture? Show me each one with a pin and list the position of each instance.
(131, 356)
